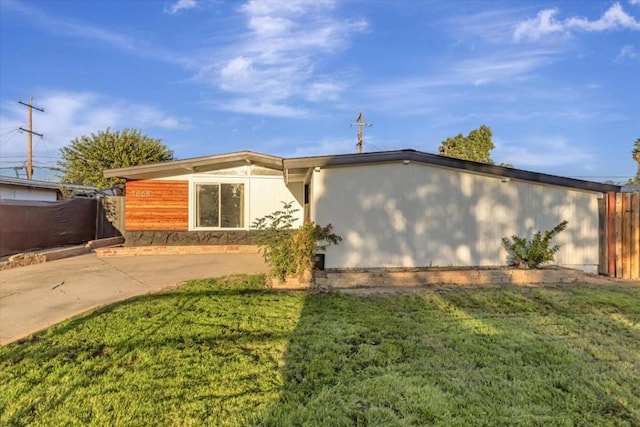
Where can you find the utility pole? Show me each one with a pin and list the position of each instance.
(30, 134)
(361, 125)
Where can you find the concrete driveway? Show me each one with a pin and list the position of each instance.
(37, 296)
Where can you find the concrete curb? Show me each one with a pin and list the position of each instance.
(83, 311)
(39, 257)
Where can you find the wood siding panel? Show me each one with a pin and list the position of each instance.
(626, 235)
(623, 232)
(602, 236)
(611, 233)
(157, 205)
(618, 234)
(635, 236)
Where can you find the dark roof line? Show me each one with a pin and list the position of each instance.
(43, 184)
(449, 162)
(239, 156)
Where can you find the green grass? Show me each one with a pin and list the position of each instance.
(228, 352)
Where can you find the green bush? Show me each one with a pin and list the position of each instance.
(289, 251)
(532, 253)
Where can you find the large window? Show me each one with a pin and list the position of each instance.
(220, 205)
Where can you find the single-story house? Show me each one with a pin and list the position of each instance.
(42, 191)
(401, 208)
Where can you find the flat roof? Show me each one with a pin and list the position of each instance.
(43, 184)
(298, 166)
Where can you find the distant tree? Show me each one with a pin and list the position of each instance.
(635, 153)
(84, 160)
(476, 146)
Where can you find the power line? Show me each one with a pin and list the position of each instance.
(8, 132)
(17, 131)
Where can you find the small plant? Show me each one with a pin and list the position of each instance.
(289, 251)
(532, 253)
(307, 240)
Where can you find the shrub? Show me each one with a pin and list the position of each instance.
(289, 251)
(532, 253)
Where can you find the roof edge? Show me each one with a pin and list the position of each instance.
(251, 156)
(449, 162)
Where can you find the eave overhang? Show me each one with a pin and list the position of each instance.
(301, 166)
(195, 165)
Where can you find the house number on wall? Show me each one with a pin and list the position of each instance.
(146, 193)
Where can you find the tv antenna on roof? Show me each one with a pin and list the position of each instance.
(360, 125)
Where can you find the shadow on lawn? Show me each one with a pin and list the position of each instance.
(496, 356)
(499, 356)
(180, 299)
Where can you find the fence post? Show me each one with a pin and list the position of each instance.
(635, 235)
(611, 234)
(618, 235)
(602, 236)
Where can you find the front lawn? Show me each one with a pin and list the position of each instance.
(228, 352)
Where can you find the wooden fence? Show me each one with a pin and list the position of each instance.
(620, 235)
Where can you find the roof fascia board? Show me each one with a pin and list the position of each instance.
(191, 164)
(448, 162)
(45, 186)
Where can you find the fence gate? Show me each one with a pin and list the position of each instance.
(620, 235)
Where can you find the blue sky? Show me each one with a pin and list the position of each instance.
(558, 82)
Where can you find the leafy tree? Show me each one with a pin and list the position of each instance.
(475, 147)
(635, 153)
(88, 156)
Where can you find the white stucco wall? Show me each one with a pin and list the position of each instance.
(263, 195)
(420, 215)
(16, 192)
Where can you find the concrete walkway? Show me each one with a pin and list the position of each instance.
(37, 296)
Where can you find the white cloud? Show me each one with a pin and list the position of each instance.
(628, 51)
(542, 152)
(634, 2)
(429, 93)
(545, 23)
(237, 74)
(262, 108)
(326, 146)
(324, 91)
(72, 114)
(500, 67)
(181, 5)
(65, 27)
(614, 18)
(276, 56)
(541, 25)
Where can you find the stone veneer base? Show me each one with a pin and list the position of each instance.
(137, 238)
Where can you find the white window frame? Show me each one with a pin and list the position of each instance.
(216, 180)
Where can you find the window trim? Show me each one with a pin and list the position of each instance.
(217, 180)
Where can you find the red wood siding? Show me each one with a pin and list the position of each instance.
(157, 205)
